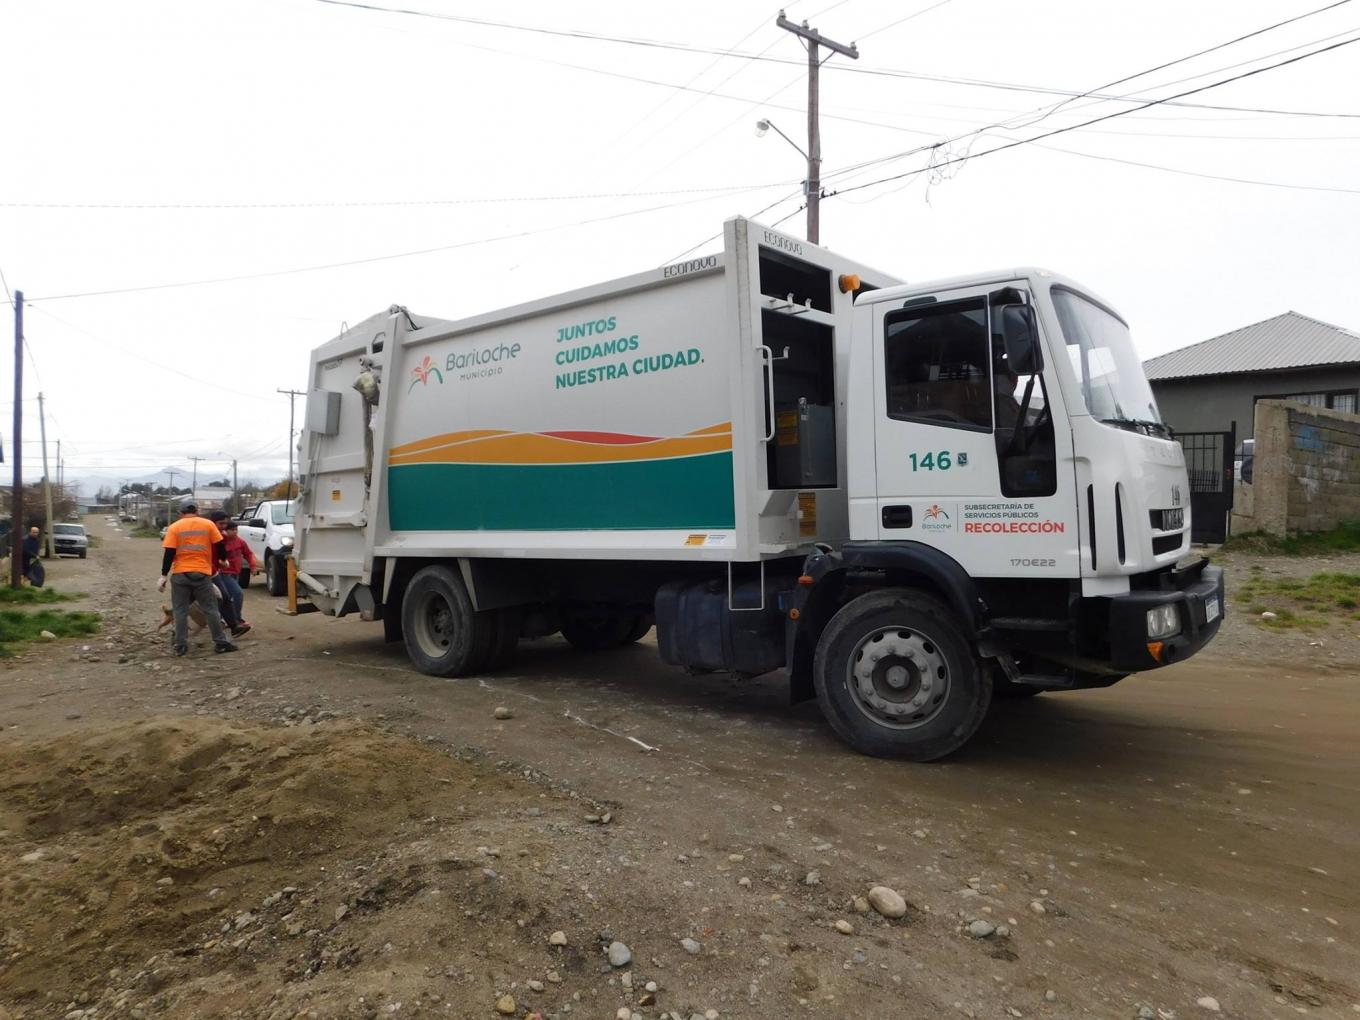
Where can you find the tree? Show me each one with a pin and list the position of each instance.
(280, 490)
(107, 494)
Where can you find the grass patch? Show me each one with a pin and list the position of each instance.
(17, 625)
(1297, 601)
(31, 596)
(1343, 539)
(143, 532)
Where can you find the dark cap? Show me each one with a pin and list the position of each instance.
(188, 507)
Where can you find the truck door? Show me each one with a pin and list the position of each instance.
(253, 535)
(966, 454)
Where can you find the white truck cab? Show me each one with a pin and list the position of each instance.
(910, 497)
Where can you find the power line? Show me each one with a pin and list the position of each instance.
(1094, 120)
(1196, 173)
(901, 21)
(375, 258)
(846, 68)
(150, 361)
(386, 204)
(1191, 56)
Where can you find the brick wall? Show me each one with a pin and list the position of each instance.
(1306, 475)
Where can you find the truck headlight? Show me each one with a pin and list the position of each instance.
(287, 543)
(1163, 622)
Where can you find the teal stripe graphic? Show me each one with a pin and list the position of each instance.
(692, 493)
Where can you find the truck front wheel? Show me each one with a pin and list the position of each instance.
(444, 635)
(275, 574)
(897, 677)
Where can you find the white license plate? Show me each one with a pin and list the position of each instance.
(1211, 610)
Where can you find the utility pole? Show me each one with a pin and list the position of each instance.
(170, 500)
(47, 481)
(813, 184)
(234, 489)
(193, 486)
(16, 530)
(292, 395)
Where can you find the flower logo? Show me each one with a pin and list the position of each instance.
(936, 511)
(423, 371)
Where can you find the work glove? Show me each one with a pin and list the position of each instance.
(160, 585)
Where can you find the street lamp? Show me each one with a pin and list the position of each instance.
(810, 182)
(763, 126)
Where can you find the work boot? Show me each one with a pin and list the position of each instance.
(225, 646)
(181, 649)
(240, 628)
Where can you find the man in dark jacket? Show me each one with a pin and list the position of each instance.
(33, 568)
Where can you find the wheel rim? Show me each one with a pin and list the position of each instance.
(434, 625)
(898, 678)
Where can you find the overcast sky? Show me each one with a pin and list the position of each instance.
(154, 142)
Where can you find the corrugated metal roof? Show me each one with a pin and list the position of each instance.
(1290, 340)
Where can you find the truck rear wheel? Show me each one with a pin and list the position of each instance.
(897, 677)
(598, 633)
(444, 635)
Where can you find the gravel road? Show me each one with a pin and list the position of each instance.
(346, 837)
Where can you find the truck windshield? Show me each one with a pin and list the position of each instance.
(1106, 365)
(282, 513)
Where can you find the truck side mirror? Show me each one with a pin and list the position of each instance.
(256, 522)
(1018, 335)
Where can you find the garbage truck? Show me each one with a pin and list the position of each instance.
(909, 497)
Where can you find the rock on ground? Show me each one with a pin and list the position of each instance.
(887, 902)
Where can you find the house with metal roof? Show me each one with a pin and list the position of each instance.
(1208, 386)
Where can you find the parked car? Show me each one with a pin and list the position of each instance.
(1244, 460)
(268, 530)
(70, 540)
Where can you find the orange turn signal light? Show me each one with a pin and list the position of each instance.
(795, 613)
(1155, 650)
(848, 283)
(806, 579)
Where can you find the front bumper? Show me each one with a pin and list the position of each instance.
(1196, 591)
(68, 548)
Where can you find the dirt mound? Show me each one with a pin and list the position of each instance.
(176, 840)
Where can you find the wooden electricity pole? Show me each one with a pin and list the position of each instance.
(292, 396)
(47, 481)
(16, 529)
(813, 185)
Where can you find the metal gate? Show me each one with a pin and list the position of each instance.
(1209, 462)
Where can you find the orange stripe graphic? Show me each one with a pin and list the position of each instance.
(491, 446)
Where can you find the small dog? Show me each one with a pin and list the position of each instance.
(196, 617)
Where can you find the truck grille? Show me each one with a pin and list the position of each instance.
(1168, 520)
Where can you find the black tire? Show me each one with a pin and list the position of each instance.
(598, 633)
(444, 635)
(641, 626)
(509, 623)
(243, 578)
(275, 574)
(928, 696)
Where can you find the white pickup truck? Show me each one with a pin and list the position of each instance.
(268, 530)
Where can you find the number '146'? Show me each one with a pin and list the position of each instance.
(932, 461)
